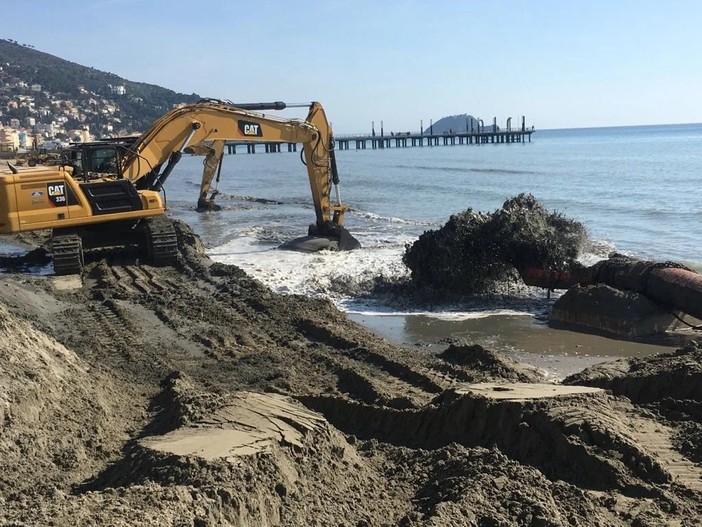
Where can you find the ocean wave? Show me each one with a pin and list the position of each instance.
(393, 219)
(333, 275)
(482, 170)
(350, 280)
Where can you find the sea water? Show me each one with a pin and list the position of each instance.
(636, 189)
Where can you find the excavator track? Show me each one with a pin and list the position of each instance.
(161, 241)
(68, 253)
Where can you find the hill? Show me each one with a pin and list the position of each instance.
(457, 123)
(103, 98)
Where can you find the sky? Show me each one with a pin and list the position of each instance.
(559, 63)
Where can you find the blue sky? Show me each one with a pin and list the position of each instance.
(561, 63)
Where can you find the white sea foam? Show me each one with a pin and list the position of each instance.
(347, 277)
(448, 316)
(334, 275)
(393, 219)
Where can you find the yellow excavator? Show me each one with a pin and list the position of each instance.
(109, 193)
(38, 157)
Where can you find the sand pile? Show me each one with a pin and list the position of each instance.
(193, 395)
(474, 251)
(676, 375)
(57, 412)
(473, 363)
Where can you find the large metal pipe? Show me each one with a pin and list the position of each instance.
(258, 106)
(679, 288)
(668, 284)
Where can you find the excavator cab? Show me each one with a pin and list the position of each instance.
(104, 160)
(94, 160)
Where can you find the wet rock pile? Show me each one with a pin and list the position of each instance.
(475, 251)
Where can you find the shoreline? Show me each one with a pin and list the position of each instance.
(523, 337)
(557, 353)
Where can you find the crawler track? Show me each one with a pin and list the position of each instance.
(68, 253)
(161, 241)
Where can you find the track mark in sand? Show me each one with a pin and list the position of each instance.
(162, 282)
(138, 280)
(368, 385)
(400, 371)
(404, 379)
(143, 280)
(111, 327)
(656, 438)
(121, 280)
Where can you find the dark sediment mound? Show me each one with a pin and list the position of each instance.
(474, 251)
(189, 243)
(477, 487)
(473, 363)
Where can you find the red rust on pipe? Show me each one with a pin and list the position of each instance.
(548, 279)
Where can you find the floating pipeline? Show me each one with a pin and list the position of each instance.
(474, 252)
(667, 283)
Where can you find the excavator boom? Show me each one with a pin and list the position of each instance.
(204, 127)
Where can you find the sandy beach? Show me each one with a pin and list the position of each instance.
(194, 395)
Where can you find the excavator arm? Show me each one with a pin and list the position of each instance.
(204, 127)
(213, 152)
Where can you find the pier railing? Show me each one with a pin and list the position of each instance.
(402, 140)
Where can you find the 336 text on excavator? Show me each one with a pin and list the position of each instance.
(57, 193)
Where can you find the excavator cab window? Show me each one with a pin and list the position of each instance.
(73, 157)
(104, 160)
(93, 161)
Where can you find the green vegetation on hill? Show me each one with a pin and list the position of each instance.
(138, 107)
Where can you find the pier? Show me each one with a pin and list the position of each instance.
(409, 140)
(471, 136)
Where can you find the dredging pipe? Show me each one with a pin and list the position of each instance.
(666, 283)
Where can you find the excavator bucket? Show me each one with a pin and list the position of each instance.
(328, 236)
